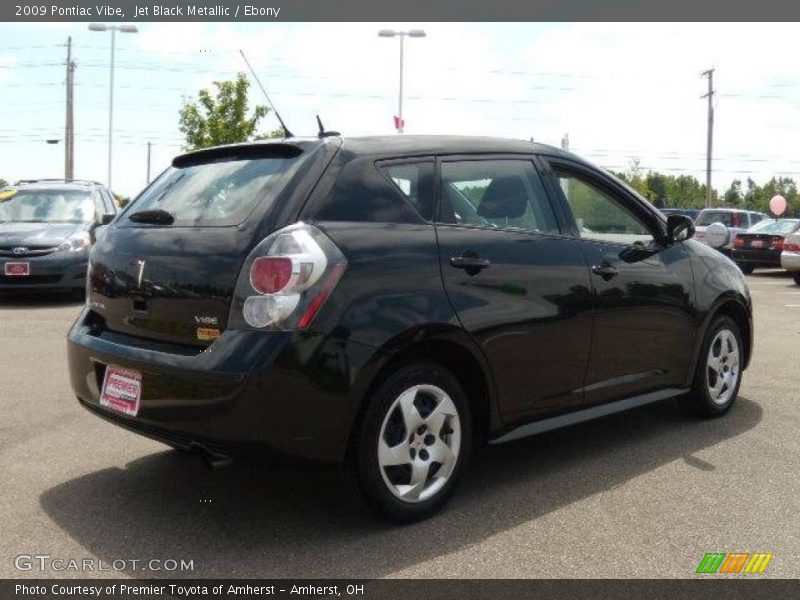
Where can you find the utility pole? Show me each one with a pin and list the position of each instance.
(69, 123)
(148, 161)
(710, 142)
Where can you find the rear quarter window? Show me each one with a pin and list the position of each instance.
(362, 193)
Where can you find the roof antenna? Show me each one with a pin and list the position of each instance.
(322, 133)
(286, 131)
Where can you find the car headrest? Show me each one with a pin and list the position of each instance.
(505, 198)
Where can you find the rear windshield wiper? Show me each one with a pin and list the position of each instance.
(156, 216)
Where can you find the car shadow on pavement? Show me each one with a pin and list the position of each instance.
(253, 521)
(12, 300)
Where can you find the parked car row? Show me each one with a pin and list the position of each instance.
(751, 239)
(735, 221)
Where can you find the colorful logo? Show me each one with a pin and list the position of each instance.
(734, 562)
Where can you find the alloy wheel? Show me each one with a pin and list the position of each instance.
(419, 443)
(722, 366)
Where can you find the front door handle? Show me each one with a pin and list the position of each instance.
(605, 270)
(471, 264)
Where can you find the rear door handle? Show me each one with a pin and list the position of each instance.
(471, 264)
(605, 270)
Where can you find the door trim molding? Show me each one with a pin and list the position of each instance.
(587, 414)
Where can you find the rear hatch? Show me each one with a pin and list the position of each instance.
(166, 270)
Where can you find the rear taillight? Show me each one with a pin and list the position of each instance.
(791, 247)
(738, 241)
(777, 243)
(286, 280)
(270, 274)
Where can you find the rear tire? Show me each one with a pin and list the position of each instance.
(746, 268)
(796, 277)
(413, 443)
(719, 371)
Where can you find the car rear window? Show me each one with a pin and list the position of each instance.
(221, 192)
(707, 217)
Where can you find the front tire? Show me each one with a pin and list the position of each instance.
(796, 277)
(413, 443)
(746, 268)
(719, 370)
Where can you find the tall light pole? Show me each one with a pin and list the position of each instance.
(709, 132)
(414, 33)
(113, 29)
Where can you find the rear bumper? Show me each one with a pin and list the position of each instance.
(60, 270)
(790, 261)
(761, 258)
(250, 393)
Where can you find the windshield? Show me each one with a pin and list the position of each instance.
(781, 227)
(46, 206)
(218, 193)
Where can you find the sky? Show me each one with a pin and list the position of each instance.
(622, 92)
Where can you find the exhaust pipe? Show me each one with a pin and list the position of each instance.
(213, 460)
(217, 461)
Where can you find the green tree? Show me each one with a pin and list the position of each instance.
(733, 195)
(752, 195)
(222, 117)
(3, 183)
(658, 185)
(634, 178)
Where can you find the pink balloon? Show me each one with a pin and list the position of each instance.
(777, 205)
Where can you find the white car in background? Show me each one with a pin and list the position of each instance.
(735, 221)
(790, 257)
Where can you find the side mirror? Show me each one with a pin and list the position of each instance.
(679, 228)
(107, 218)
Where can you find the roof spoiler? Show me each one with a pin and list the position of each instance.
(243, 151)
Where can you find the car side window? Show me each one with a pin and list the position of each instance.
(501, 193)
(600, 216)
(415, 181)
(108, 203)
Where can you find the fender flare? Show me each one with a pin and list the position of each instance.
(723, 300)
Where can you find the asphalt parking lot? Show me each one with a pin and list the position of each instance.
(641, 494)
